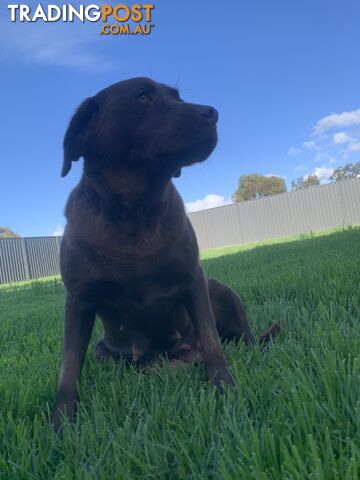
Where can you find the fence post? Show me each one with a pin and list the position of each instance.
(25, 258)
(58, 241)
(205, 229)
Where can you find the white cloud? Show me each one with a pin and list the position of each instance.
(354, 147)
(273, 175)
(331, 161)
(325, 157)
(294, 151)
(337, 140)
(341, 138)
(65, 44)
(309, 145)
(209, 201)
(323, 173)
(338, 120)
(58, 231)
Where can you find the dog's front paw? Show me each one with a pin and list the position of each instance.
(219, 378)
(61, 412)
(57, 420)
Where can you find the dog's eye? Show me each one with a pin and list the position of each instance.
(143, 97)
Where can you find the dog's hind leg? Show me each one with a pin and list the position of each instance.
(231, 321)
(269, 333)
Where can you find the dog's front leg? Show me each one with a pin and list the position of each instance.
(79, 322)
(202, 317)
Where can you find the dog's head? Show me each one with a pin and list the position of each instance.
(139, 123)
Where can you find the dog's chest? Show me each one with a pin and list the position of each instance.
(114, 249)
(119, 274)
(141, 290)
(139, 304)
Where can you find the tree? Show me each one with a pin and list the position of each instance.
(304, 182)
(5, 232)
(255, 186)
(350, 170)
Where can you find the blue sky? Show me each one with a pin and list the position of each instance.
(284, 76)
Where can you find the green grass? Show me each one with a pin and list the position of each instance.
(294, 413)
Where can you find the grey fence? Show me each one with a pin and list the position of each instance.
(311, 209)
(27, 258)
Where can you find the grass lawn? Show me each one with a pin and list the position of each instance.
(294, 413)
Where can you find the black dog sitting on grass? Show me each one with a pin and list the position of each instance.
(129, 253)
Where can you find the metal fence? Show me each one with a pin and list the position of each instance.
(311, 209)
(27, 258)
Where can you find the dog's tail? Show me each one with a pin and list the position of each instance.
(269, 333)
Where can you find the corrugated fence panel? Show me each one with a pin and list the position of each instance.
(293, 213)
(43, 256)
(26, 258)
(13, 266)
(221, 226)
(311, 209)
(314, 208)
(349, 192)
(197, 221)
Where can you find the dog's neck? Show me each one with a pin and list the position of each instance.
(121, 195)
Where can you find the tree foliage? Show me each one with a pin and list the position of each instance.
(6, 232)
(255, 186)
(350, 170)
(304, 182)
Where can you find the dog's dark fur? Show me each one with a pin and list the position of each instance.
(129, 253)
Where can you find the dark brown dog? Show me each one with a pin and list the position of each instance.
(129, 253)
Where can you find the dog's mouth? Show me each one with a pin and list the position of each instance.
(186, 152)
(198, 151)
(184, 157)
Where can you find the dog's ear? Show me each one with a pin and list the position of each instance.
(76, 134)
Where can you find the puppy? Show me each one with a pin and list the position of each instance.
(129, 253)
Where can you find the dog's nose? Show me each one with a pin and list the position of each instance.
(210, 113)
